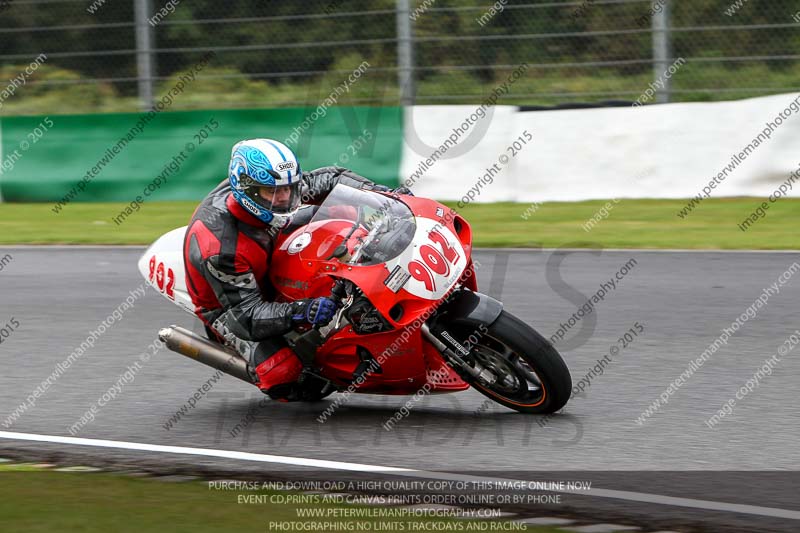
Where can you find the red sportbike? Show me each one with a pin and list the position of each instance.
(409, 316)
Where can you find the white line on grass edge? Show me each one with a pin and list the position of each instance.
(407, 472)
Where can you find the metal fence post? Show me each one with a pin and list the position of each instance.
(405, 53)
(145, 59)
(662, 50)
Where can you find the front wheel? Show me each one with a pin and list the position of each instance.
(512, 364)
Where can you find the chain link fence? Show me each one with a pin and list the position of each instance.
(117, 55)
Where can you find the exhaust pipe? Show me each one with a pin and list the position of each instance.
(450, 355)
(181, 340)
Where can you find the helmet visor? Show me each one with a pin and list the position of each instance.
(278, 199)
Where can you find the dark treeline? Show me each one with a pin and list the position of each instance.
(106, 51)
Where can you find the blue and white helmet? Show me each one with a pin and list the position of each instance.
(265, 180)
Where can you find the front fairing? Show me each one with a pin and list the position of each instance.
(403, 261)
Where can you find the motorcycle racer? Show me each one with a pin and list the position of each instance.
(227, 252)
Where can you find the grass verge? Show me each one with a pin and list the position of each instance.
(629, 224)
(42, 502)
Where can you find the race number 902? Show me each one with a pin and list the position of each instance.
(162, 277)
(433, 261)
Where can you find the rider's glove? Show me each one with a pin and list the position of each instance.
(314, 310)
(403, 190)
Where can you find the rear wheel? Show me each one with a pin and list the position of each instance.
(513, 365)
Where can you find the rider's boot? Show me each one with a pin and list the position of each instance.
(277, 376)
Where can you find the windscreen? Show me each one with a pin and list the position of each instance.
(371, 228)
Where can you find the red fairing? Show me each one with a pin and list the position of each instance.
(308, 273)
(302, 267)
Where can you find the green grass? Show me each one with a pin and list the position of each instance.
(90, 223)
(42, 502)
(638, 224)
(630, 224)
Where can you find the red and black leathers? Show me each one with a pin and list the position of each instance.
(227, 255)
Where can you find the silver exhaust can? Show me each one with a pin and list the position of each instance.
(181, 340)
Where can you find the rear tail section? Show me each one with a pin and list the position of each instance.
(163, 267)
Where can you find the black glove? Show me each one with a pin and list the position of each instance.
(403, 190)
(314, 310)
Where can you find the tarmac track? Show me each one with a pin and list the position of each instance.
(682, 300)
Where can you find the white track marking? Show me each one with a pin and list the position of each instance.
(227, 454)
(406, 472)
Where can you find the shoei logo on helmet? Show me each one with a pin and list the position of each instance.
(250, 205)
(287, 165)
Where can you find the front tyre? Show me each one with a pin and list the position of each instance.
(518, 368)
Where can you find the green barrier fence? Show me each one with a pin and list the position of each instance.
(45, 158)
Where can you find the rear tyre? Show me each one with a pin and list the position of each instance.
(518, 367)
